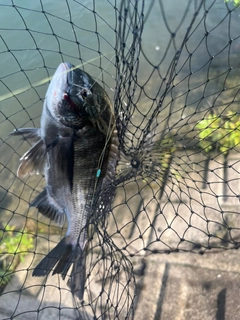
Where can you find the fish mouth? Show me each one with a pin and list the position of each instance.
(68, 65)
(72, 94)
(69, 80)
(69, 71)
(68, 93)
(78, 85)
(57, 87)
(77, 78)
(64, 77)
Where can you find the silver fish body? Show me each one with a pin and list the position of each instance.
(77, 148)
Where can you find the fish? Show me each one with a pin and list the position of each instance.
(77, 150)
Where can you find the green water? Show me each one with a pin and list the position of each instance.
(37, 35)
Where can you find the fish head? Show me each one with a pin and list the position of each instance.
(66, 94)
(56, 90)
(74, 98)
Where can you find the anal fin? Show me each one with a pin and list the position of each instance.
(47, 207)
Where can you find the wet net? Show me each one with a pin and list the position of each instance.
(172, 74)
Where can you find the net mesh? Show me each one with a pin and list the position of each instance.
(172, 74)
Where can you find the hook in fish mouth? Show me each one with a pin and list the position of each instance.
(75, 99)
(78, 88)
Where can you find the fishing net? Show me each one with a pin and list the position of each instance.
(172, 73)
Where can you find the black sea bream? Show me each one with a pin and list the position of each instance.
(77, 149)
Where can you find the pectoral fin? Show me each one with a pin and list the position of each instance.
(48, 207)
(33, 161)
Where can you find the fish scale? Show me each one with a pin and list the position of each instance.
(77, 141)
(87, 173)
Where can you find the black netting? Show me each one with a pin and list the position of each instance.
(171, 71)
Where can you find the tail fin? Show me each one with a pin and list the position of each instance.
(78, 275)
(63, 256)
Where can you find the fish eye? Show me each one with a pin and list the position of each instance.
(85, 93)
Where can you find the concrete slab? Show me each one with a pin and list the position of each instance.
(185, 292)
(148, 291)
(16, 305)
(178, 286)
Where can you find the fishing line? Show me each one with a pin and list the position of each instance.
(101, 157)
(103, 70)
(95, 81)
(41, 82)
(108, 135)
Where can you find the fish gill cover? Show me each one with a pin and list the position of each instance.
(171, 71)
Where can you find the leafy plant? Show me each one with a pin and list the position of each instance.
(162, 152)
(235, 2)
(11, 243)
(218, 132)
